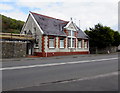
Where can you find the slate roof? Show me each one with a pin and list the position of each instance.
(81, 34)
(49, 25)
(53, 26)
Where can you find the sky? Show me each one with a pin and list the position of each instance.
(85, 13)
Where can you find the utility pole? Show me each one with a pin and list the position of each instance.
(71, 18)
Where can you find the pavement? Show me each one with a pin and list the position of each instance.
(53, 57)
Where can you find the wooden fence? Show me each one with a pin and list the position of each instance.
(15, 36)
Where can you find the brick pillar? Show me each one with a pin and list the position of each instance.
(58, 42)
(66, 43)
(76, 43)
(43, 46)
(55, 42)
(82, 43)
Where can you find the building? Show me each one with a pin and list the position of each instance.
(54, 37)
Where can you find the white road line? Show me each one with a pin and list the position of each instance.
(56, 64)
(92, 77)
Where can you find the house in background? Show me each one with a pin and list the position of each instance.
(54, 37)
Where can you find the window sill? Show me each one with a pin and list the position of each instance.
(71, 37)
(51, 47)
(61, 47)
(71, 47)
(36, 47)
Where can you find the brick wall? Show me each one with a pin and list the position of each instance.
(12, 49)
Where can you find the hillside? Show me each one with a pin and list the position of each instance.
(10, 25)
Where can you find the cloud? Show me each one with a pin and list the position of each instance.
(68, 1)
(5, 7)
(16, 15)
(6, 0)
(88, 12)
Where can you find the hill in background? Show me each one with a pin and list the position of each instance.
(10, 25)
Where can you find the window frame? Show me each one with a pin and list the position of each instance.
(79, 43)
(71, 33)
(52, 39)
(69, 42)
(63, 40)
(71, 37)
(85, 44)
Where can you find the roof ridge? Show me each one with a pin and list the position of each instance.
(48, 16)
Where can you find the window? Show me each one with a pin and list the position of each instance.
(61, 43)
(69, 33)
(79, 43)
(51, 43)
(71, 39)
(69, 42)
(73, 33)
(73, 42)
(85, 44)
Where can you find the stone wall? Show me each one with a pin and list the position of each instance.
(12, 49)
(106, 50)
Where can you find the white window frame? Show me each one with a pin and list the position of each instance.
(69, 33)
(85, 44)
(72, 33)
(53, 40)
(62, 42)
(71, 38)
(79, 43)
(68, 42)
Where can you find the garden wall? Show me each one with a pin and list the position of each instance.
(106, 50)
(12, 49)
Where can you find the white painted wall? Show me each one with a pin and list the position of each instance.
(66, 49)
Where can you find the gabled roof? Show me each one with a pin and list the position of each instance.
(53, 26)
(81, 34)
(49, 25)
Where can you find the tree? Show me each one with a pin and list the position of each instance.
(116, 39)
(102, 36)
(10, 25)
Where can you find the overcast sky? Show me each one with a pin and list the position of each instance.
(89, 12)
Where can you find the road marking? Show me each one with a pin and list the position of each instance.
(90, 78)
(56, 64)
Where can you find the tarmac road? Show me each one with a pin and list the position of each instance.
(85, 73)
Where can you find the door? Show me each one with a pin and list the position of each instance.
(29, 49)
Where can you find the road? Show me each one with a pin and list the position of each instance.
(67, 73)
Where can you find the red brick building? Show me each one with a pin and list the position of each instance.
(54, 37)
